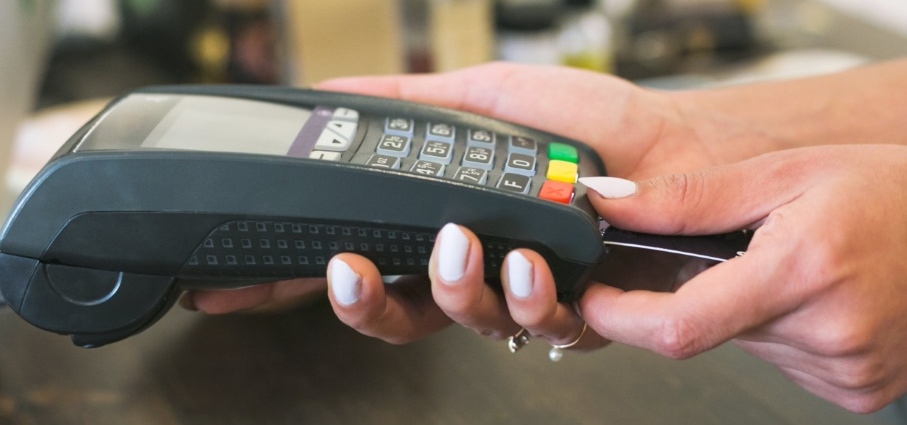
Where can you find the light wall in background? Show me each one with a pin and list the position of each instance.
(891, 14)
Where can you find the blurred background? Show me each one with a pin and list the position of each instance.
(63, 53)
(61, 61)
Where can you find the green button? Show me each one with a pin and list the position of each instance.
(562, 152)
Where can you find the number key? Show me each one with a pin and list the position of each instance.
(520, 164)
(428, 168)
(383, 161)
(436, 151)
(522, 145)
(515, 183)
(394, 145)
(478, 157)
(399, 126)
(471, 175)
(440, 131)
(482, 138)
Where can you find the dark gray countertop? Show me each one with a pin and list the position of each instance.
(306, 367)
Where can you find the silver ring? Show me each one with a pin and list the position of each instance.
(517, 341)
(557, 351)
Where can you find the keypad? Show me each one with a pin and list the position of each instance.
(474, 156)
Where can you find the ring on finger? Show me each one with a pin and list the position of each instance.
(557, 351)
(518, 340)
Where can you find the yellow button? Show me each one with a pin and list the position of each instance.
(562, 171)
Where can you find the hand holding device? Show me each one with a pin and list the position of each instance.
(211, 187)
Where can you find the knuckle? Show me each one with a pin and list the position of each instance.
(684, 191)
(812, 267)
(841, 340)
(821, 264)
(598, 324)
(861, 375)
(677, 338)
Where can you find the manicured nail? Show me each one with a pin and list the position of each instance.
(610, 187)
(345, 283)
(519, 275)
(454, 249)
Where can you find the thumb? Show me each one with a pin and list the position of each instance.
(708, 201)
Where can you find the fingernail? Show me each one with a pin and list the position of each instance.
(610, 187)
(454, 249)
(519, 275)
(345, 283)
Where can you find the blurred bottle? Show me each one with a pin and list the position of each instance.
(663, 37)
(236, 43)
(527, 30)
(460, 33)
(751, 7)
(586, 38)
(161, 30)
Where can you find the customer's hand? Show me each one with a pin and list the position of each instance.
(822, 290)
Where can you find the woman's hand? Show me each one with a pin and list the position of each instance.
(822, 290)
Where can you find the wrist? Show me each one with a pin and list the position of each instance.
(860, 105)
(728, 125)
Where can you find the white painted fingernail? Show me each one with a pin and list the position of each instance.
(519, 275)
(454, 249)
(345, 283)
(610, 187)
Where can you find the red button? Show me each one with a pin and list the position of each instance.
(556, 191)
